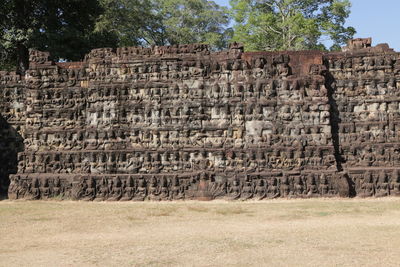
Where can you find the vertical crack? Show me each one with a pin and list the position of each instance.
(335, 121)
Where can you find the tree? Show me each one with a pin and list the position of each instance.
(133, 22)
(62, 27)
(68, 29)
(165, 22)
(290, 24)
(193, 21)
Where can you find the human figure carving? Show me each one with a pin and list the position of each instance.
(90, 190)
(33, 190)
(154, 190)
(234, 190)
(272, 188)
(284, 186)
(312, 188)
(177, 190)
(382, 187)
(45, 192)
(298, 187)
(260, 191)
(367, 188)
(247, 191)
(116, 190)
(129, 190)
(323, 186)
(141, 190)
(102, 190)
(395, 183)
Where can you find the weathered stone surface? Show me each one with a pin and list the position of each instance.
(182, 122)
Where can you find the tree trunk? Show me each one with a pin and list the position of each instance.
(22, 58)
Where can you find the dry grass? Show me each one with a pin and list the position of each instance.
(272, 233)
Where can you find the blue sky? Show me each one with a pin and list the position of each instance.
(379, 19)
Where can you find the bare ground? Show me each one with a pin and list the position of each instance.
(272, 233)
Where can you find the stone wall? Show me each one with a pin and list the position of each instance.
(365, 87)
(12, 120)
(183, 122)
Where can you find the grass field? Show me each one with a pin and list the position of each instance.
(271, 233)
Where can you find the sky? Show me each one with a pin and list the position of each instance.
(379, 19)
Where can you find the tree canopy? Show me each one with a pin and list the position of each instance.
(165, 22)
(70, 28)
(193, 21)
(290, 24)
(62, 27)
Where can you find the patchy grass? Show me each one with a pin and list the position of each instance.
(198, 209)
(232, 210)
(313, 232)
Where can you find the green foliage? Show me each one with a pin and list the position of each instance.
(193, 21)
(65, 27)
(164, 22)
(290, 24)
(62, 27)
(68, 29)
(132, 22)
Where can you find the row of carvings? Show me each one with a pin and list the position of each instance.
(244, 154)
(370, 137)
(377, 62)
(161, 187)
(364, 75)
(42, 77)
(250, 142)
(367, 154)
(374, 117)
(153, 117)
(79, 103)
(227, 111)
(208, 67)
(367, 82)
(389, 80)
(124, 52)
(378, 183)
(163, 87)
(163, 140)
(388, 127)
(155, 95)
(391, 126)
(125, 132)
(105, 55)
(368, 92)
(380, 118)
(197, 128)
(278, 66)
(101, 76)
(166, 187)
(118, 162)
(163, 69)
(199, 107)
(374, 87)
(374, 112)
(72, 119)
(364, 113)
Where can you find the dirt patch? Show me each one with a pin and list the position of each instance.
(328, 232)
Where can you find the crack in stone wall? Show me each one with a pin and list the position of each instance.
(182, 122)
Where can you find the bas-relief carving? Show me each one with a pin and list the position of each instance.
(182, 122)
